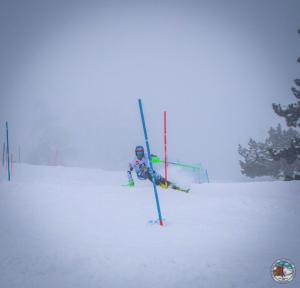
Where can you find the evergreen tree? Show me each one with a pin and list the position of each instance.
(258, 161)
(279, 155)
(291, 113)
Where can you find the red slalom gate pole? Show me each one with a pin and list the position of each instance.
(165, 148)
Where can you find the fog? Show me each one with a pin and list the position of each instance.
(72, 73)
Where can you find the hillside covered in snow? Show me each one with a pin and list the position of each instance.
(74, 227)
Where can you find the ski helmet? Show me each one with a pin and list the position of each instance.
(139, 151)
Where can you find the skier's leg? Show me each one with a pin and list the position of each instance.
(172, 185)
(148, 175)
(161, 181)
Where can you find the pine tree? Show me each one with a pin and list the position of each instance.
(258, 161)
(291, 113)
(279, 155)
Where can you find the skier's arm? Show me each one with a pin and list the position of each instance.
(129, 175)
(148, 165)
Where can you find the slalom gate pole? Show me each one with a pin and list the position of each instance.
(3, 155)
(207, 176)
(7, 152)
(165, 148)
(11, 162)
(150, 163)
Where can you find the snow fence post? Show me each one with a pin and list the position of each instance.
(150, 162)
(7, 152)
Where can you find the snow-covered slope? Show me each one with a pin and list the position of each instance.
(72, 227)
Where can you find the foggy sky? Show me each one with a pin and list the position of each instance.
(71, 73)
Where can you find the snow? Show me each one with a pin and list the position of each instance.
(75, 227)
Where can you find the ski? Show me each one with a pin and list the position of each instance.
(175, 188)
(182, 189)
(164, 187)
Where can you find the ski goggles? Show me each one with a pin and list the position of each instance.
(139, 153)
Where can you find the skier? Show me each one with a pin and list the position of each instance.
(143, 171)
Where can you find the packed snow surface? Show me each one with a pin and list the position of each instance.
(75, 227)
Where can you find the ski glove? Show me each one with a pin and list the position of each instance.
(130, 183)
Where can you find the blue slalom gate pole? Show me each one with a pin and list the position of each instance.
(3, 155)
(207, 176)
(7, 153)
(150, 162)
